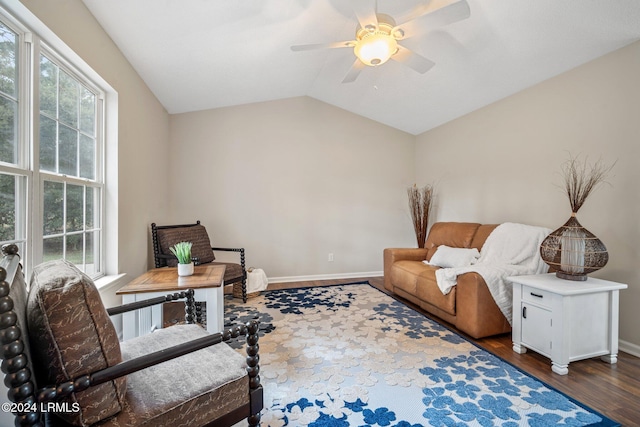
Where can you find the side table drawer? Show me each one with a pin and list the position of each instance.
(536, 296)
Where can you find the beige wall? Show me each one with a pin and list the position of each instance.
(143, 129)
(502, 163)
(292, 181)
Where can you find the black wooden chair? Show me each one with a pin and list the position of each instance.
(70, 367)
(165, 236)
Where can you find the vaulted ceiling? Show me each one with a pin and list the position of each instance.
(199, 54)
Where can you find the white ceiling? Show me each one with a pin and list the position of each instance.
(202, 54)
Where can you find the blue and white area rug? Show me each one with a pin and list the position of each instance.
(351, 355)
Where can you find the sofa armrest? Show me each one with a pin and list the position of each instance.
(477, 313)
(392, 255)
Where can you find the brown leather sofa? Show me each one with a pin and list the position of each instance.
(469, 306)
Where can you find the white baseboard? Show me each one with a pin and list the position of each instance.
(630, 348)
(289, 279)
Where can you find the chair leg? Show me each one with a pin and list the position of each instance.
(253, 370)
(254, 420)
(244, 290)
(190, 307)
(198, 305)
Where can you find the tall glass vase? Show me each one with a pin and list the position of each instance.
(573, 251)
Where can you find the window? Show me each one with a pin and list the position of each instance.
(51, 154)
(13, 174)
(68, 158)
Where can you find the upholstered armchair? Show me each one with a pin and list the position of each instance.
(64, 365)
(165, 236)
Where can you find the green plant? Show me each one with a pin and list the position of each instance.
(182, 251)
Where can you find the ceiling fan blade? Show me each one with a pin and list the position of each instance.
(365, 13)
(435, 14)
(303, 47)
(412, 60)
(354, 72)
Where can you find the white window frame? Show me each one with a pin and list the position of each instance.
(34, 38)
(40, 48)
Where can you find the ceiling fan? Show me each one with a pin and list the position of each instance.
(378, 35)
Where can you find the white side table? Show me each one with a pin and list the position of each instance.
(565, 320)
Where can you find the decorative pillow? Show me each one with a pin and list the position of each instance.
(448, 257)
(195, 234)
(71, 335)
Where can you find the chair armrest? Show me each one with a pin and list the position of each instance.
(250, 329)
(188, 295)
(241, 250)
(229, 249)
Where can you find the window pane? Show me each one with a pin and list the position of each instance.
(52, 248)
(68, 149)
(8, 61)
(53, 208)
(87, 157)
(47, 144)
(8, 127)
(91, 201)
(48, 87)
(88, 112)
(75, 208)
(75, 249)
(69, 92)
(92, 245)
(7, 207)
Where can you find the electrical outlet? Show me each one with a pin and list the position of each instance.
(330, 257)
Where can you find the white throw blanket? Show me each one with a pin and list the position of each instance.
(510, 250)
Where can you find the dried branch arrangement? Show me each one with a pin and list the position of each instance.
(581, 178)
(420, 200)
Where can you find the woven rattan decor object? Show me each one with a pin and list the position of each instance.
(573, 251)
(237, 291)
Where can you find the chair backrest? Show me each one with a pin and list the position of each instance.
(165, 236)
(16, 354)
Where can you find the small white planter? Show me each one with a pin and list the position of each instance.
(185, 269)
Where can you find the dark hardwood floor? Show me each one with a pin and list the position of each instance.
(613, 390)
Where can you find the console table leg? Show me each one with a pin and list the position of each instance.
(519, 349)
(560, 369)
(609, 358)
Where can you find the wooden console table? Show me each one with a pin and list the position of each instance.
(206, 283)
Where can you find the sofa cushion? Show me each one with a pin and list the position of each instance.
(448, 257)
(453, 234)
(427, 290)
(404, 274)
(71, 335)
(196, 234)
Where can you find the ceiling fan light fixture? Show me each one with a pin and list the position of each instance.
(398, 33)
(375, 49)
